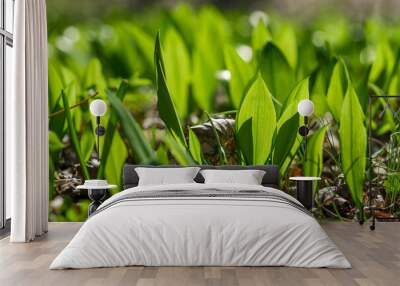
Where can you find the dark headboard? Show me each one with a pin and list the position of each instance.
(271, 177)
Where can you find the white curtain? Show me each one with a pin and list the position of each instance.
(27, 124)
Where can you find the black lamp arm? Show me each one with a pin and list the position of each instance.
(303, 131)
(100, 131)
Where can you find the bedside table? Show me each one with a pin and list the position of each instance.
(97, 192)
(304, 190)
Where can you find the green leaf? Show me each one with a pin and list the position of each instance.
(259, 38)
(57, 123)
(221, 151)
(74, 136)
(277, 73)
(314, 160)
(285, 39)
(289, 109)
(319, 89)
(143, 42)
(87, 143)
(241, 74)
(166, 106)
(55, 143)
(116, 160)
(94, 76)
(211, 35)
(285, 139)
(383, 63)
(177, 70)
(353, 145)
(290, 156)
(204, 79)
(256, 123)
(129, 60)
(55, 86)
(68, 77)
(178, 151)
(133, 132)
(185, 21)
(110, 130)
(391, 85)
(337, 88)
(288, 124)
(195, 147)
(362, 90)
(162, 155)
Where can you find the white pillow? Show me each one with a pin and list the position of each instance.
(166, 176)
(247, 177)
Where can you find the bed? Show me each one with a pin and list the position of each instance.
(198, 224)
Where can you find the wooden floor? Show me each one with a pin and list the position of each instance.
(375, 257)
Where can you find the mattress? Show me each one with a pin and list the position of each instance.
(201, 225)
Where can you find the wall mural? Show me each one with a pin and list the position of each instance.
(205, 86)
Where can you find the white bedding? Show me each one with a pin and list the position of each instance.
(203, 231)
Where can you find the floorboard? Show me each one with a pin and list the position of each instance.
(375, 257)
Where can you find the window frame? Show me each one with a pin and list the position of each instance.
(6, 39)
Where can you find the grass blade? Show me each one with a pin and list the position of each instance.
(337, 89)
(110, 130)
(137, 141)
(178, 151)
(195, 147)
(116, 161)
(55, 85)
(87, 143)
(314, 161)
(74, 136)
(353, 145)
(166, 106)
(177, 70)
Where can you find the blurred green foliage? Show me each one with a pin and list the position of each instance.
(203, 63)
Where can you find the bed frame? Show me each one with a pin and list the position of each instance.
(271, 178)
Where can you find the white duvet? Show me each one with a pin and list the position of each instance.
(200, 231)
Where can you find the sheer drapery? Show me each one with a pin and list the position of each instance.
(27, 124)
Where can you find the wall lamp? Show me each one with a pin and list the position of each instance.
(98, 108)
(305, 108)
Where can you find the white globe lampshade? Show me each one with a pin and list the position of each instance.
(305, 107)
(98, 107)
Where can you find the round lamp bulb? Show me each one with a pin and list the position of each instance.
(305, 107)
(98, 107)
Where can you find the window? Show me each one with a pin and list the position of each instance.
(6, 63)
